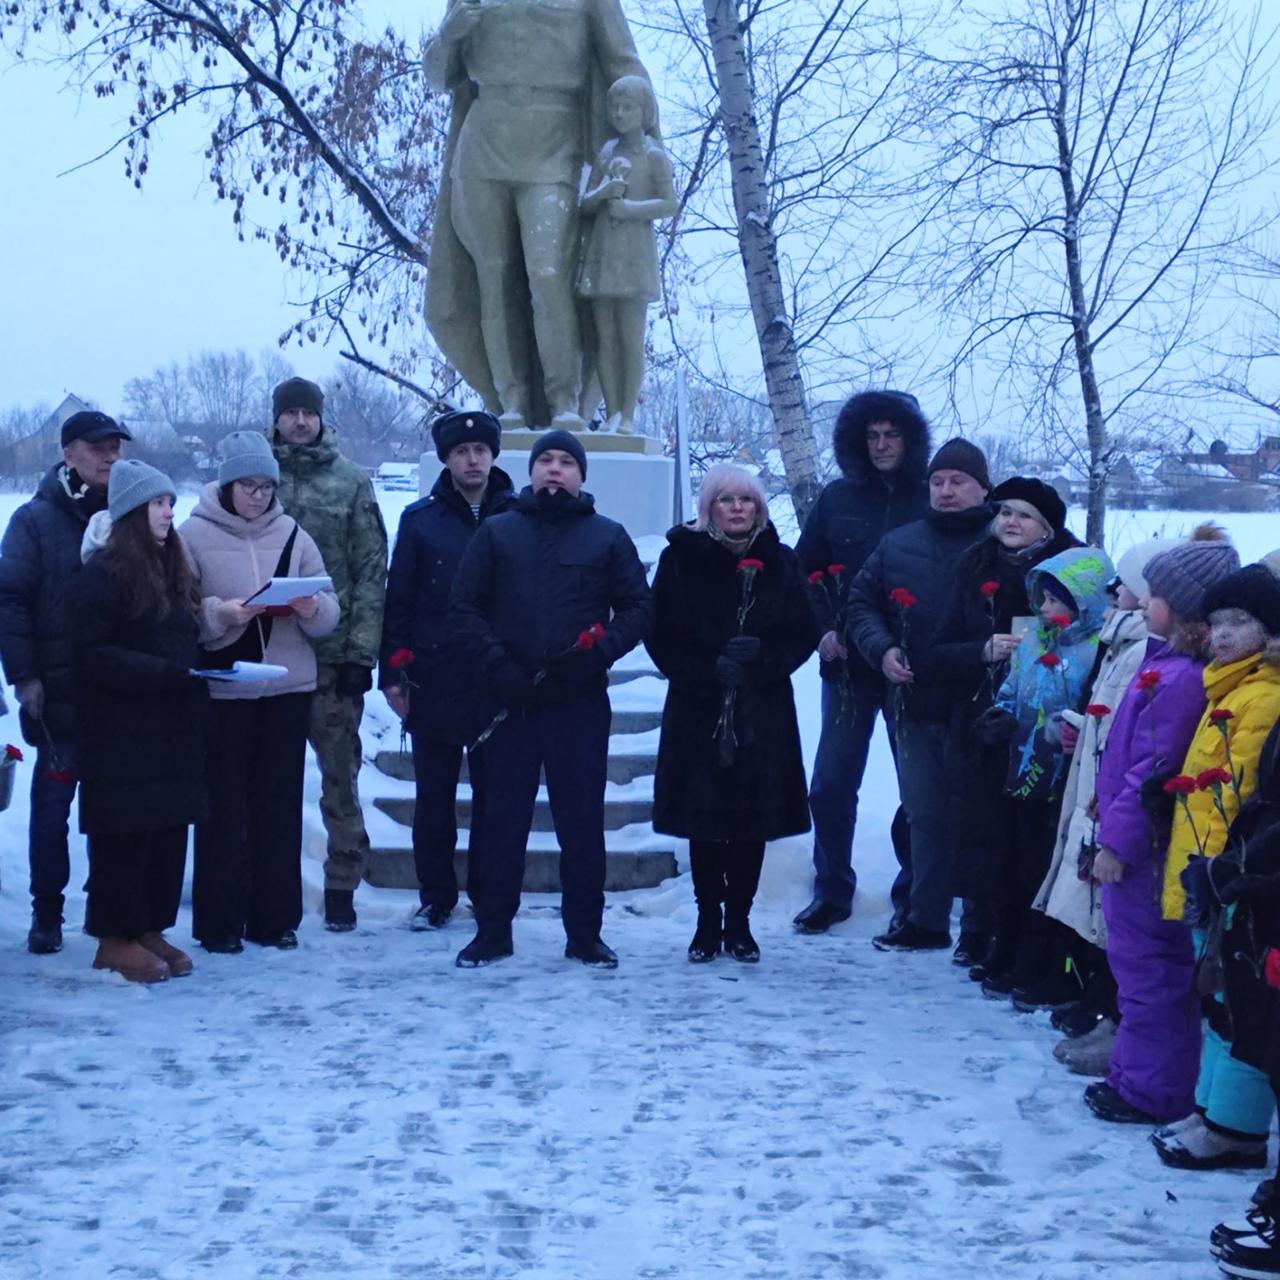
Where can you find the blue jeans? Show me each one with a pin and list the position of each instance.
(51, 796)
(833, 794)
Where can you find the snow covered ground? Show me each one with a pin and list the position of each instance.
(361, 1108)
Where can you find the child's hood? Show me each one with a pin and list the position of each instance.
(1084, 572)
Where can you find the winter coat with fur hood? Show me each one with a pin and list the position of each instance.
(232, 558)
(854, 512)
(697, 592)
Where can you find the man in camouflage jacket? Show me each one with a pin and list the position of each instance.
(333, 500)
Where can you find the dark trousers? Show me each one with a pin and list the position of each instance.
(53, 787)
(135, 882)
(726, 872)
(570, 741)
(1040, 944)
(847, 725)
(436, 766)
(248, 855)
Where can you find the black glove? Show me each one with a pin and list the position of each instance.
(1198, 887)
(1156, 802)
(511, 685)
(574, 668)
(743, 649)
(994, 727)
(731, 674)
(353, 680)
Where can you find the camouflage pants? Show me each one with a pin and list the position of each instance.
(335, 737)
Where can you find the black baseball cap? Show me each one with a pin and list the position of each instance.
(90, 425)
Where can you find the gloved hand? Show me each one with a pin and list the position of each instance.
(730, 673)
(994, 727)
(743, 649)
(353, 681)
(1248, 887)
(1158, 804)
(511, 685)
(1201, 898)
(573, 668)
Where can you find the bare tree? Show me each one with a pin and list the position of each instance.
(1097, 157)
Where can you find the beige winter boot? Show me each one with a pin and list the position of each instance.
(178, 961)
(131, 960)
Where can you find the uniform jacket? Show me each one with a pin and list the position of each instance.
(434, 533)
(1250, 690)
(1064, 896)
(140, 727)
(232, 558)
(39, 560)
(537, 576)
(920, 557)
(697, 592)
(854, 512)
(333, 500)
(1033, 692)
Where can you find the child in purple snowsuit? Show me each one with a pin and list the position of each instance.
(1157, 1050)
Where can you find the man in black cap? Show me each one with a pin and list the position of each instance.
(881, 444)
(535, 583)
(39, 557)
(894, 606)
(428, 678)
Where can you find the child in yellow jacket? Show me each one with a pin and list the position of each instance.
(1234, 1101)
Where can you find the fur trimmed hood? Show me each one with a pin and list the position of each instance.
(849, 438)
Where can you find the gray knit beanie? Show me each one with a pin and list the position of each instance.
(244, 454)
(1182, 577)
(133, 484)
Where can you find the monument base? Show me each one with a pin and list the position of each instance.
(630, 478)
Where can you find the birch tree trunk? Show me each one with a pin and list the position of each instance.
(758, 247)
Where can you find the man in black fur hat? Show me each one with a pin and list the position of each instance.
(881, 442)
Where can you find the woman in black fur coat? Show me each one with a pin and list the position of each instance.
(730, 774)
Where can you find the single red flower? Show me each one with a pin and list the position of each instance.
(1147, 679)
(816, 577)
(12, 753)
(1209, 777)
(1181, 784)
(1049, 660)
(400, 659)
(597, 630)
(750, 566)
(989, 589)
(1060, 620)
(585, 640)
(835, 570)
(1220, 715)
(1098, 710)
(903, 598)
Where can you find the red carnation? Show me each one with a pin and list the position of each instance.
(750, 566)
(989, 589)
(1181, 784)
(1098, 710)
(903, 598)
(816, 577)
(1210, 777)
(835, 570)
(1220, 715)
(1148, 679)
(400, 659)
(1060, 620)
(585, 640)
(12, 753)
(1049, 660)
(597, 630)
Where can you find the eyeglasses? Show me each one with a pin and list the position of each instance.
(735, 499)
(265, 489)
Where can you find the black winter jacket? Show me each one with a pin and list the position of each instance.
(854, 512)
(141, 714)
(39, 561)
(537, 576)
(922, 558)
(697, 592)
(433, 536)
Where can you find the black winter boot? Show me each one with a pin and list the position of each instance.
(488, 945)
(45, 935)
(738, 941)
(706, 939)
(339, 910)
(592, 952)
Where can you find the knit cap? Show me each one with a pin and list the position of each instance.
(296, 393)
(244, 454)
(461, 426)
(1181, 577)
(133, 484)
(1132, 566)
(1255, 589)
(958, 454)
(565, 440)
(1034, 498)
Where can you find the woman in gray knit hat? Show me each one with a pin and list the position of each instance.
(248, 853)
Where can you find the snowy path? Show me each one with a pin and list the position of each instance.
(360, 1108)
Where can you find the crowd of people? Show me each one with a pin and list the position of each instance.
(1087, 752)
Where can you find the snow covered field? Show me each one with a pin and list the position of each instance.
(360, 1108)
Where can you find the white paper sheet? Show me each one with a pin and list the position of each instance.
(282, 590)
(239, 671)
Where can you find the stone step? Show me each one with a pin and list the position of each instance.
(622, 767)
(392, 868)
(617, 813)
(625, 675)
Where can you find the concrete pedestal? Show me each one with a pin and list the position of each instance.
(629, 477)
